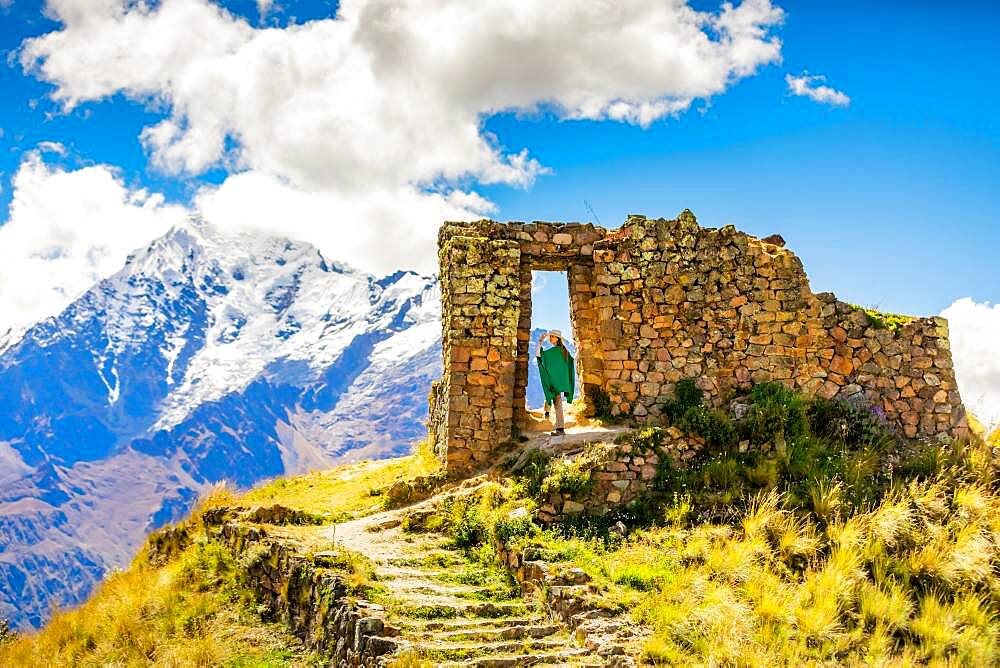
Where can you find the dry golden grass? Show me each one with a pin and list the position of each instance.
(187, 613)
(911, 581)
(351, 490)
(194, 611)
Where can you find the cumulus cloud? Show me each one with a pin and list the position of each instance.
(975, 347)
(538, 282)
(377, 238)
(370, 124)
(806, 85)
(67, 230)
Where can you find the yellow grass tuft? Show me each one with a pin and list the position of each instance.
(346, 491)
(185, 614)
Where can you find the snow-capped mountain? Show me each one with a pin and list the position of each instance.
(208, 357)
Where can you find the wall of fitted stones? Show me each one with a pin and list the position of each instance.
(303, 593)
(526, 247)
(480, 292)
(657, 301)
(311, 600)
(731, 310)
(620, 474)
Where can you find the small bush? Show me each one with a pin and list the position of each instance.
(601, 401)
(880, 320)
(6, 634)
(714, 426)
(642, 440)
(568, 477)
(687, 395)
(845, 422)
(433, 612)
(775, 413)
(529, 479)
(508, 527)
(467, 526)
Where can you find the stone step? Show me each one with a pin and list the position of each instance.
(425, 586)
(563, 657)
(448, 600)
(465, 651)
(489, 633)
(452, 608)
(388, 571)
(429, 558)
(461, 623)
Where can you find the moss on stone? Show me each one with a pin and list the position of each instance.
(882, 320)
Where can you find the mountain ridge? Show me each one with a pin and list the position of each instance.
(209, 356)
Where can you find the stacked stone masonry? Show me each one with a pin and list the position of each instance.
(657, 301)
(619, 475)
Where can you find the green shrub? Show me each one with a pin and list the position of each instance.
(432, 612)
(840, 420)
(506, 527)
(641, 577)
(601, 402)
(714, 426)
(642, 440)
(528, 479)
(467, 527)
(880, 320)
(687, 395)
(775, 412)
(568, 477)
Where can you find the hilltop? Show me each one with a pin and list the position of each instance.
(829, 539)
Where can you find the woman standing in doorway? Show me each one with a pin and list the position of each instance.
(556, 371)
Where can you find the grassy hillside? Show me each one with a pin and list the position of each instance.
(195, 610)
(806, 533)
(843, 546)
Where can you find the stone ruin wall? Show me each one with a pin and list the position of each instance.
(652, 303)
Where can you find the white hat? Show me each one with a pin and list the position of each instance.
(555, 332)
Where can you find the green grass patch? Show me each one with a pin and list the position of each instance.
(883, 320)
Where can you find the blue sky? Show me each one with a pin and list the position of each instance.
(890, 200)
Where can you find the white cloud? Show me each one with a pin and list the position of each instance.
(807, 85)
(538, 282)
(51, 147)
(377, 239)
(68, 229)
(370, 125)
(975, 348)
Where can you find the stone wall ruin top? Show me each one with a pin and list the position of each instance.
(654, 302)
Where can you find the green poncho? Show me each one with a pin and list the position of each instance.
(557, 374)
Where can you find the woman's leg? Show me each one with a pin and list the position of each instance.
(557, 404)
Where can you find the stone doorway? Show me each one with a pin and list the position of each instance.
(583, 334)
(479, 403)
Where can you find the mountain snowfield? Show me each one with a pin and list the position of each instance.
(208, 357)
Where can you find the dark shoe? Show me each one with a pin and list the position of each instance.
(546, 415)
(558, 432)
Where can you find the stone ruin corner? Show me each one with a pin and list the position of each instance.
(654, 302)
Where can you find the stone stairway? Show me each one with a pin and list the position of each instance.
(439, 614)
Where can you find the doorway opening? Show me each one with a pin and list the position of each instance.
(550, 310)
